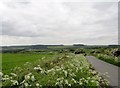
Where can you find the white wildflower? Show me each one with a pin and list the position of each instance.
(71, 65)
(4, 79)
(30, 74)
(26, 84)
(58, 79)
(86, 81)
(38, 68)
(66, 81)
(92, 81)
(11, 77)
(22, 82)
(50, 70)
(97, 83)
(60, 57)
(65, 72)
(99, 78)
(32, 78)
(67, 56)
(74, 80)
(1, 74)
(38, 65)
(80, 83)
(27, 77)
(6, 76)
(88, 78)
(35, 68)
(57, 83)
(13, 74)
(93, 72)
(58, 69)
(69, 84)
(72, 74)
(51, 63)
(14, 82)
(42, 72)
(37, 84)
(76, 69)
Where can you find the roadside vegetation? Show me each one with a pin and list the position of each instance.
(61, 71)
(109, 55)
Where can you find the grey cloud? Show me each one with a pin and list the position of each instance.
(63, 22)
(17, 3)
(103, 6)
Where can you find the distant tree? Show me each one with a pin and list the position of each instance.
(117, 53)
(79, 51)
(78, 44)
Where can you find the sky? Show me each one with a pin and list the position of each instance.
(64, 22)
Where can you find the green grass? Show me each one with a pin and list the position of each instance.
(109, 59)
(9, 61)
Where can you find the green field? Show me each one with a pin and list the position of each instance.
(9, 61)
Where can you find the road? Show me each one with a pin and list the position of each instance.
(103, 67)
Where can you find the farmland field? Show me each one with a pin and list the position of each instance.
(9, 61)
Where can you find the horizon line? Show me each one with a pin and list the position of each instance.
(62, 44)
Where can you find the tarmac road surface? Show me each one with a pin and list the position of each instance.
(103, 67)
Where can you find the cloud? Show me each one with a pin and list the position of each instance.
(35, 21)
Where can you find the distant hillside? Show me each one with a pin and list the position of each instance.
(14, 49)
(26, 47)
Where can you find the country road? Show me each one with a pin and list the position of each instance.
(103, 67)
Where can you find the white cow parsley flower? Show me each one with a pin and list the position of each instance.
(14, 82)
(26, 84)
(37, 84)
(32, 78)
(27, 77)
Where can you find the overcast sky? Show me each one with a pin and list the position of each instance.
(43, 22)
